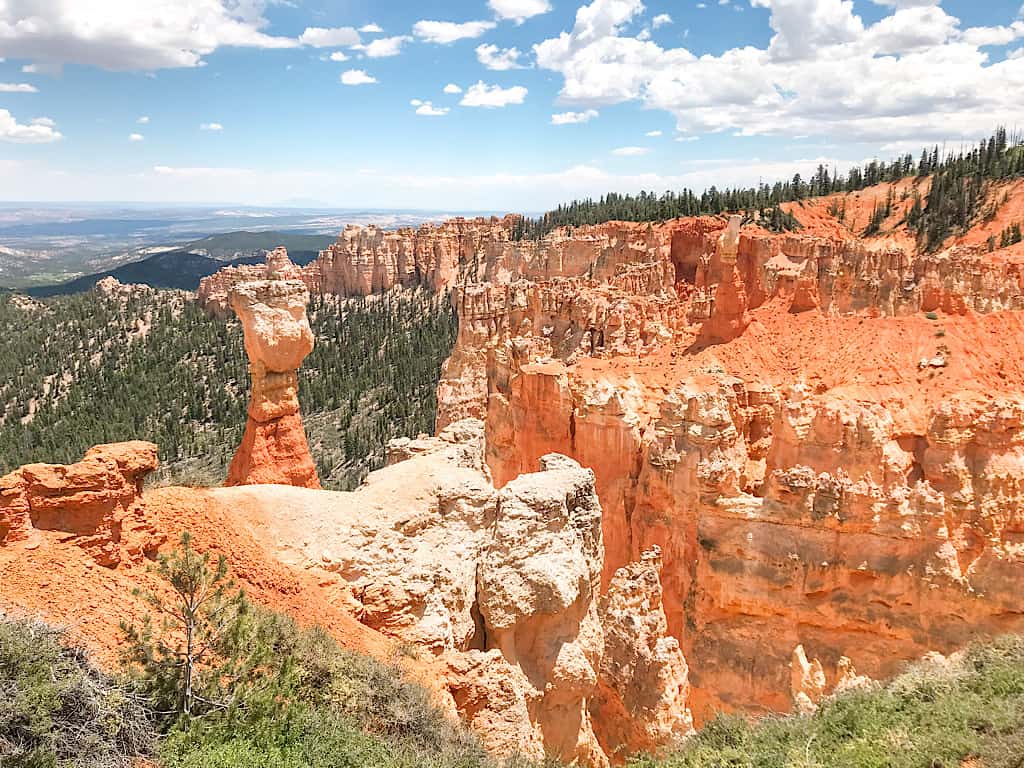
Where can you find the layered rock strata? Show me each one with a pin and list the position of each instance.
(277, 339)
(95, 503)
(757, 407)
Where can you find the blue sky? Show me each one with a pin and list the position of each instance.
(253, 102)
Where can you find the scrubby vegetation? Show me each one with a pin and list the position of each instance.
(58, 710)
(220, 684)
(80, 370)
(233, 686)
(936, 715)
(959, 181)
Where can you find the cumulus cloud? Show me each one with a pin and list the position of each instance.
(41, 130)
(915, 74)
(144, 120)
(653, 134)
(18, 88)
(214, 127)
(383, 47)
(574, 118)
(452, 88)
(338, 56)
(371, 29)
(630, 151)
(661, 20)
(427, 109)
(500, 59)
(493, 96)
(518, 10)
(333, 37)
(445, 32)
(140, 35)
(356, 77)
(135, 137)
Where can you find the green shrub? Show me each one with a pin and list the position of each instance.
(56, 709)
(933, 716)
(253, 688)
(931, 315)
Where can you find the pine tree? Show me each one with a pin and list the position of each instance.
(203, 604)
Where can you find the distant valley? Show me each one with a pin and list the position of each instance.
(59, 249)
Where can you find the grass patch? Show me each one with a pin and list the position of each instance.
(933, 716)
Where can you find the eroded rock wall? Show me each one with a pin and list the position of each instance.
(864, 504)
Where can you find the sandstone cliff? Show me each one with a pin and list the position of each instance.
(819, 433)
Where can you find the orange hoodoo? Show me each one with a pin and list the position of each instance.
(277, 339)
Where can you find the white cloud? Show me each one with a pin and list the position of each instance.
(981, 36)
(500, 59)
(518, 10)
(144, 120)
(356, 77)
(445, 32)
(383, 47)
(573, 118)
(124, 36)
(493, 96)
(906, 3)
(371, 29)
(653, 134)
(334, 37)
(41, 130)
(215, 127)
(630, 151)
(452, 88)
(427, 109)
(135, 137)
(338, 56)
(29, 69)
(687, 138)
(661, 20)
(18, 88)
(912, 75)
(1016, 54)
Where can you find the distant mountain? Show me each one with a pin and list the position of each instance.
(233, 245)
(183, 268)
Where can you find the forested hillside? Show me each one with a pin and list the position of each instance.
(959, 182)
(80, 370)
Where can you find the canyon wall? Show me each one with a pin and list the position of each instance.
(820, 434)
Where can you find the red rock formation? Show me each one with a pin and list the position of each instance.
(807, 480)
(277, 339)
(95, 503)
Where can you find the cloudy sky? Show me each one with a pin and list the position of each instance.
(482, 104)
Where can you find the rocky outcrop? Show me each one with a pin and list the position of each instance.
(277, 339)
(95, 503)
(502, 587)
(644, 680)
(214, 290)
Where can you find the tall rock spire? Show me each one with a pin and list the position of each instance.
(277, 339)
